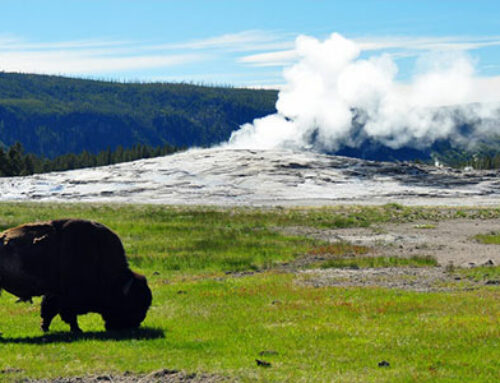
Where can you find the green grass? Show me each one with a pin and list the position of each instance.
(220, 323)
(479, 274)
(320, 335)
(376, 262)
(488, 239)
(425, 226)
(340, 248)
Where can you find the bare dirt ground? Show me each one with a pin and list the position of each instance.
(160, 376)
(450, 242)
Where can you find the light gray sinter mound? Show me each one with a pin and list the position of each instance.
(259, 178)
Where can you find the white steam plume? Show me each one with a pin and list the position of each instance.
(333, 98)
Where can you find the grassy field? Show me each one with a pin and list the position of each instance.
(220, 303)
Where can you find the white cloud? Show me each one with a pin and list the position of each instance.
(245, 41)
(85, 57)
(447, 43)
(253, 48)
(17, 44)
(278, 58)
(399, 47)
(98, 56)
(85, 62)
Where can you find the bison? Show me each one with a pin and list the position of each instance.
(78, 266)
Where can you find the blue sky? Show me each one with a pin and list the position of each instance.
(238, 42)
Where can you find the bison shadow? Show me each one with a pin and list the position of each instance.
(145, 333)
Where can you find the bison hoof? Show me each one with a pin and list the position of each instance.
(44, 328)
(76, 330)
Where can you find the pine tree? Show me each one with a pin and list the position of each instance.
(15, 160)
(28, 165)
(3, 163)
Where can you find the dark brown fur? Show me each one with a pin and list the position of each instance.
(78, 266)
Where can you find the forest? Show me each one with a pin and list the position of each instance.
(15, 162)
(52, 115)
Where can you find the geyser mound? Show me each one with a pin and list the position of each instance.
(244, 177)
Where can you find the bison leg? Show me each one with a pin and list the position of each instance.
(49, 309)
(69, 316)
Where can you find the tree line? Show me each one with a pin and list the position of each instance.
(482, 155)
(15, 162)
(478, 162)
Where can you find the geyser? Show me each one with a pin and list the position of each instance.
(334, 99)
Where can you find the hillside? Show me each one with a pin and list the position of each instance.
(52, 115)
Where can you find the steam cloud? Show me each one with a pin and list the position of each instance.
(333, 98)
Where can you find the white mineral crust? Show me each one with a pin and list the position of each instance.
(259, 178)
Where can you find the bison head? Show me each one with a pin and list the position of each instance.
(129, 309)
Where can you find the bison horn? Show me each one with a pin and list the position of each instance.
(128, 285)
